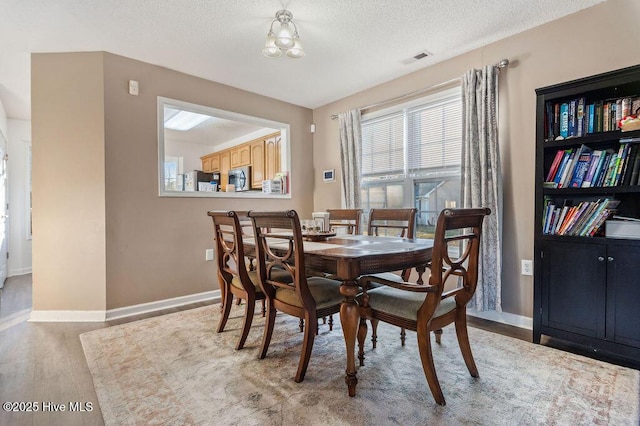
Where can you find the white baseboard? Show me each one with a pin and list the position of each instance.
(503, 317)
(21, 271)
(102, 316)
(67, 316)
(144, 308)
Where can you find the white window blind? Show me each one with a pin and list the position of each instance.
(383, 146)
(419, 139)
(434, 136)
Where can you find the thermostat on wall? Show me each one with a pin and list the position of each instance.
(329, 175)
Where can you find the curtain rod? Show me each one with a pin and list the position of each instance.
(502, 64)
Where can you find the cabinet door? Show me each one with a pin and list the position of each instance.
(272, 157)
(215, 163)
(206, 164)
(257, 164)
(574, 287)
(235, 157)
(225, 165)
(623, 294)
(244, 155)
(211, 163)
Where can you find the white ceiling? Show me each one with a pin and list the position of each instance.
(350, 44)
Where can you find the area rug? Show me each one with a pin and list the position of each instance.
(176, 370)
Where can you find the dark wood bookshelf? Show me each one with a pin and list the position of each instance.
(586, 289)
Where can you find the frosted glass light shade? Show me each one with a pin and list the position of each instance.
(296, 51)
(284, 39)
(270, 49)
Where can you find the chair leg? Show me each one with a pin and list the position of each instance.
(301, 325)
(238, 301)
(362, 336)
(438, 334)
(424, 346)
(307, 346)
(249, 311)
(324, 320)
(268, 330)
(226, 309)
(264, 309)
(374, 332)
(330, 322)
(403, 336)
(463, 341)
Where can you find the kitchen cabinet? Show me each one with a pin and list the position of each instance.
(225, 165)
(272, 156)
(240, 156)
(211, 163)
(257, 164)
(263, 155)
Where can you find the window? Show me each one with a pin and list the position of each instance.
(411, 157)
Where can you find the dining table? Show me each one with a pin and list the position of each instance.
(348, 257)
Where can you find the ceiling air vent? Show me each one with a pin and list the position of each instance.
(417, 57)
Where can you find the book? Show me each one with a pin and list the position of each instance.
(584, 217)
(563, 213)
(622, 160)
(591, 116)
(580, 117)
(573, 161)
(563, 165)
(593, 165)
(572, 123)
(556, 120)
(548, 123)
(581, 168)
(602, 168)
(564, 120)
(554, 166)
(636, 169)
(613, 164)
(625, 180)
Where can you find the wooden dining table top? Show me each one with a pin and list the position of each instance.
(350, 256)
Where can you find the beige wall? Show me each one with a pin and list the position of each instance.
(68, 157)
(599, 39)
(154, 246)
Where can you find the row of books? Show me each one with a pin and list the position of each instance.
(577, 118)
(586, 168)
(584, 219)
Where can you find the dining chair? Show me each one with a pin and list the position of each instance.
(279, 245)
(426, 308)
(233, 277)
(345, 218)
(398, 223)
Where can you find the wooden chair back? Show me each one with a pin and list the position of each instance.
(279, 245)
(457, 231)
(392, 222)
(229, 229)
(345, 218)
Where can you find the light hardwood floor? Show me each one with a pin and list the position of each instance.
(44, 362)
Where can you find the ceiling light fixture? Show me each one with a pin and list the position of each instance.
(284, 38)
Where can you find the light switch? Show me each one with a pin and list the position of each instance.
(133, 88)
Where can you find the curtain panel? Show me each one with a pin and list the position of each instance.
(350, 156)
(481, 181)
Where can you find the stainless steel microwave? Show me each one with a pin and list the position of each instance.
(240, 178)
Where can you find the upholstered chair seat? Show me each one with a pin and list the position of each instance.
(279, 275)
(426, 308)
(325, 292)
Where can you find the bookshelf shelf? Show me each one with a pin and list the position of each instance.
(586, 287)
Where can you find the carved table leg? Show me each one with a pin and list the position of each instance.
(350, 318)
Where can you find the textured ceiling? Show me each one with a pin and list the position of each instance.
(350, 44)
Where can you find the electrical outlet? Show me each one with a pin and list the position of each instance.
(527, 267)
(208, 254)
